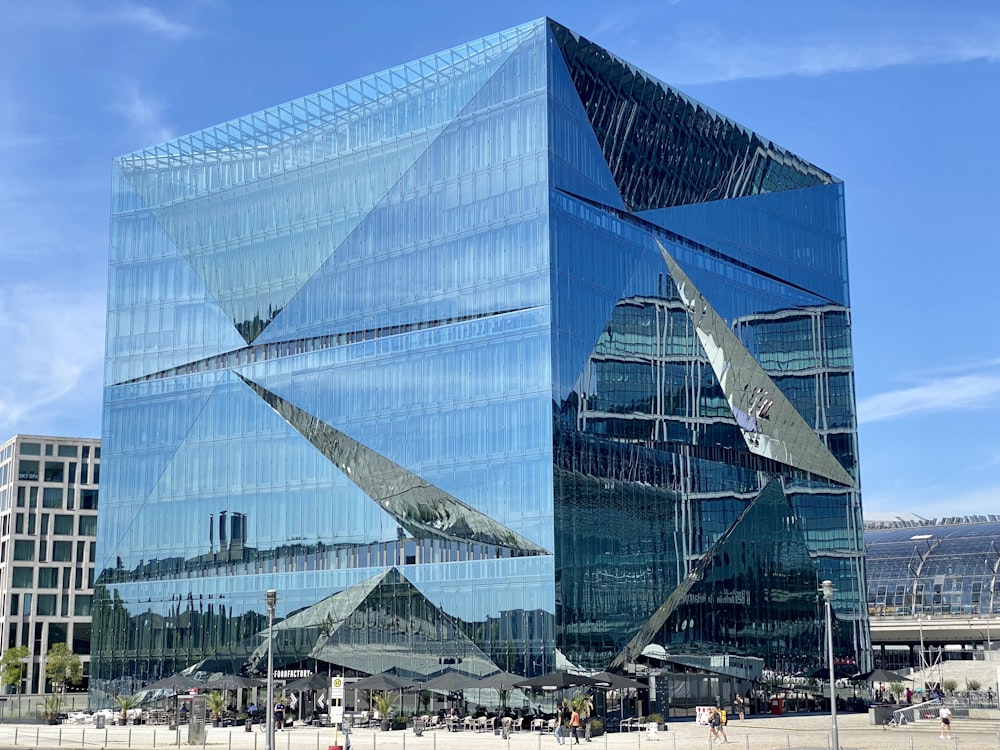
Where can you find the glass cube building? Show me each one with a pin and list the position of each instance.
(509, 357)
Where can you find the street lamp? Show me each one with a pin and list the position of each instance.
(270, 599)
(923, 660)
(827, 588)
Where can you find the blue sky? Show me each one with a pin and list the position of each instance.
(899, 98)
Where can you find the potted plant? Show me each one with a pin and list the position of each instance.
(53, 703)
(399, 721)
(384, 704)
(124, 703)
(216, 703)
(656, 718)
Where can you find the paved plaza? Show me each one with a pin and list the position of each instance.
(758, 733)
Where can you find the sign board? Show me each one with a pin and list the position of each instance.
(337, 688)
(337, 715)
(196, 720)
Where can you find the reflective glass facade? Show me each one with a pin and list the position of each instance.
(940, 569)
(509, 352)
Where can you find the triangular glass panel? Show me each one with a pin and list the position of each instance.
(576, 163)
(148, 337)
(423, 510)
(406, 260)
(383, 623)
(255, 250)
(770, 424)
(665, 149)
(758, 572)
(791, 234)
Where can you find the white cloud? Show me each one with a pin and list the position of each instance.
(76, 16)
(51, 339)
(957, 392)
(143, 114)
(152, 20)
(706, 55)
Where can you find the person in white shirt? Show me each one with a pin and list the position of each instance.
(944, 714)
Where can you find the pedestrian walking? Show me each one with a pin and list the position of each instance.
(944, 714)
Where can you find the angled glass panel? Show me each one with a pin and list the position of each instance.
(577, 165)
(665, 149)
(463, 230)
(421, 508)
(730, 597)
(796, 234)
(160, 314)
(770, 424)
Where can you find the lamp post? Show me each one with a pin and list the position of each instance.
(270, 599)
(827, 588)
(923, 661)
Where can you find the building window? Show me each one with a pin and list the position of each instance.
(27, 471)
(55, 471)
(31, 449)
(67, 451)
(22, 578)
(88, 499)
(48, 578)
(63, 525)
(86, 451)
(15, 599)
(82, 604)
(62, 551)
(52, 497)
(24, 549)
(84, 472)
(88, 526)
(46, 605)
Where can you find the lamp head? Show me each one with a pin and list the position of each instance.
(827, 588)
(271, 598)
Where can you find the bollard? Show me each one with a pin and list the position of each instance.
(788, 741)
(911, 740)
(59, 740)
(230, 739)
(828, 742)
(746, 740)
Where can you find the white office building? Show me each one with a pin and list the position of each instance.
(48, 527)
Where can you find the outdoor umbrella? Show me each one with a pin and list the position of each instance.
(880, 675)
(499, 681)
(557, 681)
(823, 673)
(233, 682)
(612, 681)
(382, 682)
(452, 681)
(176, 683)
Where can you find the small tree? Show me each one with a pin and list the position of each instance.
(12, 669)
(896, 688)
(62, 666)
(949, 686)
(216, 703)
(124, 703)
(972, 685)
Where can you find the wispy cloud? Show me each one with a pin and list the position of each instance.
(151, 19)
(959, 391)
(143, 115)
(708, 55)
(77, 16)
(51, 340)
